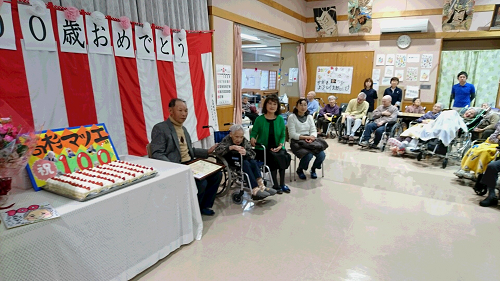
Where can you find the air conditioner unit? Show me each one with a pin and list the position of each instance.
(393, 26)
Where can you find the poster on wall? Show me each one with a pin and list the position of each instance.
(375, 74)
(326, 21)
(334, 79)
(389, 71)
(359, 14)
(400, 73)
(386, 81)
(411, 73)
(224, 93)
(380, 59)
(293, 74)
(401, 60)
(424, 75)
(426, 61)
(457, 14)
(389, 59)
(67, 150)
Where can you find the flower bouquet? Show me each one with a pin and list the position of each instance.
(17, 142)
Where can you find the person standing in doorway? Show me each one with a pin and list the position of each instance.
(462, 93)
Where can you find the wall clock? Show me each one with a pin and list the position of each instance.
(404, 41)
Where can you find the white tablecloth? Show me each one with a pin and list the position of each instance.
(112, 237)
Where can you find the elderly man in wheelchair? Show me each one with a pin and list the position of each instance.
(354, 117)
(384, 116)
(232, 148)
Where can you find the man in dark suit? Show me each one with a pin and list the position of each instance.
(170, 141)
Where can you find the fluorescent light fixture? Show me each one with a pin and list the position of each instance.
(249, 37)
(270, 55)
(253, 46)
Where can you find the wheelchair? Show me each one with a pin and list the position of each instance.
(236, 168)
(342, 128)
(457, 147)
(391, 130)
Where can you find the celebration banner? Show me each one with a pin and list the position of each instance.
(334, 79)
(67, 150)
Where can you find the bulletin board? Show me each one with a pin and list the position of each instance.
(251, 78)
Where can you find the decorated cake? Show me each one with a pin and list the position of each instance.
(80, 184)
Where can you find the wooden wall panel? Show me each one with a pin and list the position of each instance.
(361, 62)
(225, 115)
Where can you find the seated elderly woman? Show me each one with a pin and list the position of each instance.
(487, 125)
(478, 156)
(304, 143)
(415, 107)
(234, 145)
(326, 114)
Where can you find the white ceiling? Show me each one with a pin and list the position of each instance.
(270, 53)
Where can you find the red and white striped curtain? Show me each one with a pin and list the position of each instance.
(130, 95)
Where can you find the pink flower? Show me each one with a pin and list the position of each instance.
(125, 22)
(166, 30)
(71, 13)
(8, 138)
(3, 130)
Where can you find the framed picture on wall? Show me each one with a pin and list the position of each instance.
(495, 20)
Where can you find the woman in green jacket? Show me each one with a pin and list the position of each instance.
(269, 130)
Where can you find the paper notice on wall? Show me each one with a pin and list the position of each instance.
(389, 60)
(389, 71)
(411, 73)
(380, 59)
(293, 75)
(424, 75)
(400, 73)
(375, 74)
(413, 58)
(411, 92)
(386, 81)
(401, 60)
(224, 93)
(426, 61)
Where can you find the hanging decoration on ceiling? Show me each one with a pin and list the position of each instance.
(326, 21)
(457, 14)
(359, 13)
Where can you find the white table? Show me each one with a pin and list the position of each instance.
(112, 237)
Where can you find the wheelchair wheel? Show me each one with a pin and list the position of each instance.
(237, 197)
(341, 131)
(227, 179)
(445, 163)
(419, 156)
(396, 130)
(480, 189)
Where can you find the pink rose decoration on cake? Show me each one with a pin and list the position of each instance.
(125, 22)
(166, 30)
(71, 13)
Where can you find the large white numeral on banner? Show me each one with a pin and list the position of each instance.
(163, 47)
(180, 48)
(37, 31)
(7, 36)
(99, 38)
(122, 41)
(144, 44)
(71, 34)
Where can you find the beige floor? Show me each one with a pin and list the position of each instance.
(372, 217)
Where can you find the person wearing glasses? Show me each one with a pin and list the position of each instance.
(170, 141)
